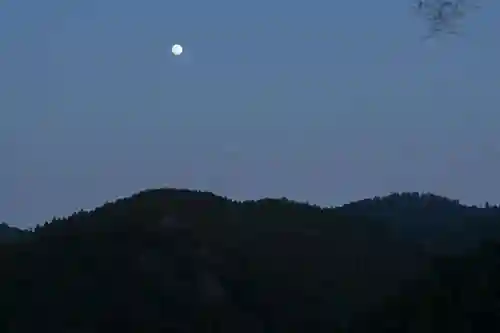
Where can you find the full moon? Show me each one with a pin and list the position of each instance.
(176, 49)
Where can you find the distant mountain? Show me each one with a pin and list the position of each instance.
(414, 205)
(190, 261)
(10, 234)
(440, 224)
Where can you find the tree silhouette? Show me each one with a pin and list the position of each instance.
(444, 16)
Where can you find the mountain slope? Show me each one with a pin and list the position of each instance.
(11, 234)
(189, 261)
(438, 224)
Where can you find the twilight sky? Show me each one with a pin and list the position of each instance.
(319, 101)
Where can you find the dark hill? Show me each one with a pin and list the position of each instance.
(171, 260)
(11, 234)
(439, 224)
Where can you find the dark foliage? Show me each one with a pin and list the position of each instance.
(185, 261)
(444, 16)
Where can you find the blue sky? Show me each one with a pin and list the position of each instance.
(318, 101)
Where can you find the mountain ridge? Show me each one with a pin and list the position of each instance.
(192, 261)
(418, 199)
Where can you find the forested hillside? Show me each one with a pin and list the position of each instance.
(11, 234)
(172, 260)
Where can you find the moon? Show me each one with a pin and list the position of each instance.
(176, 49)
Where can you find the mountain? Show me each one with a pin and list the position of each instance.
(11, 234)
(439, 224)
(188, 261)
